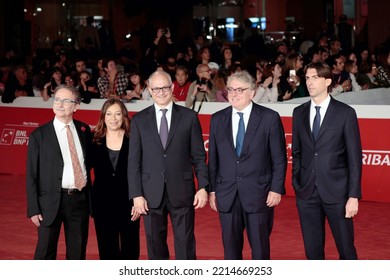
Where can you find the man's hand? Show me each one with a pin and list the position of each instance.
(213, 201)
(273, 199)
(200, 199)
(134, 214)
(37, 219)
(352, 207)
(140, 205)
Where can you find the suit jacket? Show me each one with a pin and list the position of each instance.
(151, 167)
(45, 168)
(334, 162)
(109, 192)
(260, 168)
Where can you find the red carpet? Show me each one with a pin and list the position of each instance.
(18, 234)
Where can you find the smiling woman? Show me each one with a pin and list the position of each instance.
(117, 235)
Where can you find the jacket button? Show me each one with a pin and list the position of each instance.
(113, 174)
(164, 155)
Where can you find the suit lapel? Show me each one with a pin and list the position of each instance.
(253, 123)
(81, 135)
(306, 119)
(329, 116)
(151, 118)
(52, 138)
(175, 119)
(227, 128)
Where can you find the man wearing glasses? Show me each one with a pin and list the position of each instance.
(202, 89)
(166, 145)
(247, 164)
(58, 179)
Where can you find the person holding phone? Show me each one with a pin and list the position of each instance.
(292, 79)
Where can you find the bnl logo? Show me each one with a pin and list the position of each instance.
(7, 136)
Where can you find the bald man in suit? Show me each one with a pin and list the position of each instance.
(166, 145)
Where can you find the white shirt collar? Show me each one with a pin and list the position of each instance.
(158, 108)
(247, 110)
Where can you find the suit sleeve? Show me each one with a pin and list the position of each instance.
(213, 155)
(198, 154)
(354, 152)
(134, 161)
(32, 177)
(296, 151)
(278, 155)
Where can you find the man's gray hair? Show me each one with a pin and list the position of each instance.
(243, 77)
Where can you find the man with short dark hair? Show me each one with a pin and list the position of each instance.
(327, 166)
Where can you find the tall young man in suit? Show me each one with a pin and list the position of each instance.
(247, 163)
(58, 179)
(166, 145)
(327, 166)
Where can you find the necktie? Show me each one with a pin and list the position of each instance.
(316, 123)
(240, 134)
(164, 128)
(79, 179)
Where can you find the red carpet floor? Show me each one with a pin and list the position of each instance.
(18, 234)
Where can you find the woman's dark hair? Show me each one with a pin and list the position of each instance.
(101, 128)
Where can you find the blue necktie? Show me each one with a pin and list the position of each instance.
(316, 123)
(164, 128)
(240, 134)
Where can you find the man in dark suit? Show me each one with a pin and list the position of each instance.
(166, 145)
(247, 163)
(58, 179)
(327, 166)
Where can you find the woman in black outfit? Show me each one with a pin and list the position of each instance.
(117, 226)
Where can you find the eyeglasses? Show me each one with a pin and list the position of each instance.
(66, 102)
(164, 89)
(205, 71)
(238, 91)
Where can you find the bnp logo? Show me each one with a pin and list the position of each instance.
(7, 136)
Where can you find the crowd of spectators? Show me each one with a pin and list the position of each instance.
(199, 68)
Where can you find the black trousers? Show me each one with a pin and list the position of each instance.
(117, 237)
(74, 215)
(258, 227)
(312, 214)
(156, 230)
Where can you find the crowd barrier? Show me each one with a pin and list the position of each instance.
(19, 119)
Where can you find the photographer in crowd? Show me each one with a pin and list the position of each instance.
(201, 89)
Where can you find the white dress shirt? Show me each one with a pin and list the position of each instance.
(67, 175)
(168, 114)
(324, 107)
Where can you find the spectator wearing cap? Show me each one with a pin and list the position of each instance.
(214, 67)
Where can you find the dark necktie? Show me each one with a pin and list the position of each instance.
(240, 134)
(79, 179)
(164, 128)
(316, 123)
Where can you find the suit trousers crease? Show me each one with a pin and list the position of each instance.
(156, 229)
(312, 214)
(258, 227)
